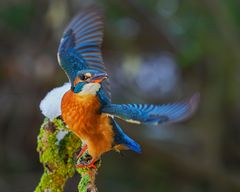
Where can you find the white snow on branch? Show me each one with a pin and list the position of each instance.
(51, 103)
(60, 135)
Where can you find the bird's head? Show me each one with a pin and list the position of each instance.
(88, 81)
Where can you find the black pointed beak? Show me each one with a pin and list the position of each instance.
(98, 78)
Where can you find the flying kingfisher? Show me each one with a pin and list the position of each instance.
(86, 107)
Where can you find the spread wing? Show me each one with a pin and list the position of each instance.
(80, 46)
(153, 114)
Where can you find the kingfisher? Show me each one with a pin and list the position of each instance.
(86, 107)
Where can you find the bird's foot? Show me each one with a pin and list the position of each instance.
(87, 164)
(83, 150)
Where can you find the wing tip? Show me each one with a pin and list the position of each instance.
(94, 10)
(193, 104)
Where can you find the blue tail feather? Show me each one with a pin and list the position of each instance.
(121, 138)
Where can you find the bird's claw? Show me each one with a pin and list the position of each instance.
(84, 160)
(88, 165)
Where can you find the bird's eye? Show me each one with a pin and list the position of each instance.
(85, 76)
(82, 77)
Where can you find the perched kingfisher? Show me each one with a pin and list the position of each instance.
(87, 109)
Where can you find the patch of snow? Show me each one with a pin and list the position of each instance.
(50, 106)
(60, 135)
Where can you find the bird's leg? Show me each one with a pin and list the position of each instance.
(91, 164)
(87, 161)
(83, 150)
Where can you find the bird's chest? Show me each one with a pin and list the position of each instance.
(81, 113)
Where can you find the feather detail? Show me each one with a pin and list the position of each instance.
(153, 114)
(122, 141)
(80, 46)
(81, 114)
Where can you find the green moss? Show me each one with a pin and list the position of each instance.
(87, 182)
(82, 186)
(56, 147)
(56, 155)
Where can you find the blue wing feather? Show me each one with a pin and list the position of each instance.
(153, 114)
(80, 46)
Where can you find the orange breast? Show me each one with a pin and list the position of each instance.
(81, 114)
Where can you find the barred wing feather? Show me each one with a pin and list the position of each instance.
(80, 46)
(153, 114)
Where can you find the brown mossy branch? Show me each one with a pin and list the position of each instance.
(87, 183)
(57, 148)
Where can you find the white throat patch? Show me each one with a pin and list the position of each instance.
(90, 89)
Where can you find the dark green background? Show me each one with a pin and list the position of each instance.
(177, 46)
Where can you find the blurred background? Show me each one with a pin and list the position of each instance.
(156, 51)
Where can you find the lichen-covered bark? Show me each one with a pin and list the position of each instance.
(57, 148)
(87, 183)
